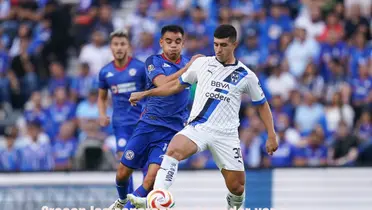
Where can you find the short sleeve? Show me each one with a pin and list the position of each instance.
(102, 83)
(254, 90)
(153, 68)
(190, 76)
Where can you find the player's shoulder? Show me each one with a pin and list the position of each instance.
(106, 68)
(245, 70)
(154, 59)
(205, 59)
(136, 62)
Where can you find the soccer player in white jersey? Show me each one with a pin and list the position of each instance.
(214, 119)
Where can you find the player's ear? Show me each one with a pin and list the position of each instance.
(161, 41)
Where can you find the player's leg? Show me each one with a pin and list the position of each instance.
(227, 155)
(159, 140)
(131, 159)
(122, 136)
(186, 143)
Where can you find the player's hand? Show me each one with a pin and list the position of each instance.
(193, 58)
(271, 144)
(104, 121)
(135, 97)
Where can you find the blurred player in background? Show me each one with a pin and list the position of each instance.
(161, 119)
(122, 76)
(214, 118)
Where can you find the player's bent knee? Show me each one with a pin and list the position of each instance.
(123, 172)
(237, 188)
(181, 148)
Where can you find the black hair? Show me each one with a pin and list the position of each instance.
(119, 33)
(172, 28)
(226, 31)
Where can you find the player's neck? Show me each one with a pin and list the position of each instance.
(171, 60)
(229, 61)
(121, 63)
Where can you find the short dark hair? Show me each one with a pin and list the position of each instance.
(119, 33)
(226, 31)
(172, 28)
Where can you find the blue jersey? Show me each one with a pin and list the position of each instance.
(170, 111)
(122, 82)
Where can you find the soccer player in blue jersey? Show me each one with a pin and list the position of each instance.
(122, 76)
(161, 119)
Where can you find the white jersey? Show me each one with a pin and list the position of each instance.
(218, 94)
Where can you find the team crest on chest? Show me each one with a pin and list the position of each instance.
(132, 72)
(235, 77)
(151, 68)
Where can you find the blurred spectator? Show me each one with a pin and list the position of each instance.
(337, 112)
(355, 22)
(24, 67)
(104, 21)
(88, 109)
(36, 111)
(146, 47)
(279, 107)
(276, 56)
(64, 147)
(362, 90)
(251, 147)
(4, 9)
(311, 20)
(249, 52)
(36, 152)
(10, 155)
(359, 54)
(24, 33)
(311, 81)
(97, 54)
(363, 6)
(82, 83)
(302, 51)
(199, 25)
(61, 110)
(281, 82)
(291, 135)
(315, 153)
(344, 149)
(333, 25)
(58, 77)
(274, 26)
(308, 114)
(363, 128)
(333, 48)
(138, 22)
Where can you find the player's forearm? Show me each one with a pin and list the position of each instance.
(267, 118)
(167, 89)
(102, 106)
(177, 74)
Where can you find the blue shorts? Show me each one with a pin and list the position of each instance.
(147, 145)
(122, 135)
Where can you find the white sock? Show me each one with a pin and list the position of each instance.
(167, 173)
(235, 201)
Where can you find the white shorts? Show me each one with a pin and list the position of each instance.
(226, 150)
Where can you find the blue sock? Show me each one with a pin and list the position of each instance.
(130, 185)
(122, 188)
(140, 192)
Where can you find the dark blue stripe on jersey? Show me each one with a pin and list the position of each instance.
(221, 91)
(236, 76)
(200, 118)
(211, 104)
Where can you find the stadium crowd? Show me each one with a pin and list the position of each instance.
(313, 58)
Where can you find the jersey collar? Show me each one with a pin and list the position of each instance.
(225, 65)
(165, 58)
(124, 67)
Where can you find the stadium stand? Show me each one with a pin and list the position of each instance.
(314, 60)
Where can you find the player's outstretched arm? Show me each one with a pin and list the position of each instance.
(267, 118)
(170, 88)
(162, 79)
(104, 120)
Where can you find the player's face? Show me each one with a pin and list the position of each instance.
(224, 48)
(119, 47)
(172, 44)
